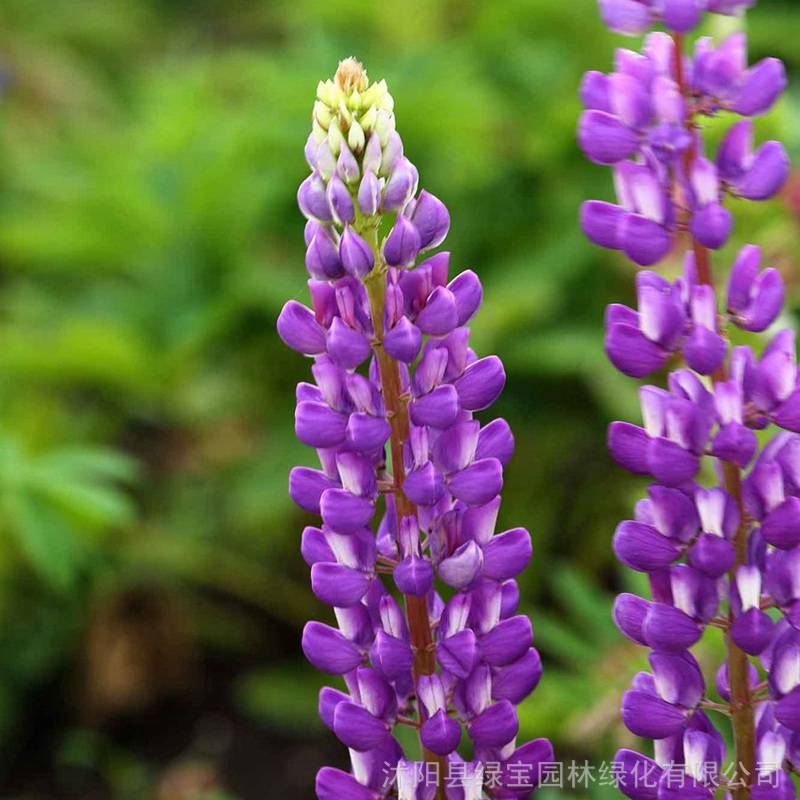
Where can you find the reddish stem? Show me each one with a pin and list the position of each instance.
(738, 677)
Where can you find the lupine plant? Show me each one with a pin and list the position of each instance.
(425, 603)
(719, 531)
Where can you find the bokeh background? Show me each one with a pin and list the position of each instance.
(151, 588)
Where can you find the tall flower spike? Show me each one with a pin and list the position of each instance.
(725, 554)
(402, 443)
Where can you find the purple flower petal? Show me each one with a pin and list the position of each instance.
(649, 716)
(338, 585)
(328, 650)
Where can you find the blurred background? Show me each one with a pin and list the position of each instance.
(151, 587)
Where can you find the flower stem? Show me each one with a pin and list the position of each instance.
(741, 702)
(396, 403)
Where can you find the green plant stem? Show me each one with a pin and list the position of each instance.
(742, 718)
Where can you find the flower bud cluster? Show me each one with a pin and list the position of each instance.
(409, 480)
(720, 546)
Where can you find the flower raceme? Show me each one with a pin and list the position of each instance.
(391, 414)
(721, 553)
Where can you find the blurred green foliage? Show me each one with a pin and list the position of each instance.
(149, 159)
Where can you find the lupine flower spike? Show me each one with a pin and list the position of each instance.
(721, 546)
(423, 589)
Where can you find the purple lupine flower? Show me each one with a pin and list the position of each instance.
(409, 480)
(726, 555)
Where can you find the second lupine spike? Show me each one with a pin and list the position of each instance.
(721, 555)
(391, 414)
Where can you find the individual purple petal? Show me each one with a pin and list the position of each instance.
(678, 678)
(767, 173)
(401, 186)
(334, 784)
(767, 302)
(355, 727)
(424, 486)
(478, 483)
(366, 433)
(669, 629)
(743, 275)
(735, 150)
(682, 15)
(347, 166)
(312, 199)
(507, 554)
(764, 83)
(712, 555)
(440, 734)
(632, 353)
(781, 527)
(752, 631)
(402, 244)
(644, 241)
(402, 342)
(496, 726)
(328, 650)
(638, 775)
(369, 194)
(605, 139)
(349, 348)
(437, 409)
(507, 641)
(457, 654)
(669, 463)
(432, 220)
(322, 257)
(461, 568)
(704, 350)
(629, 100)
(661, 317)
(338, 585)
(355, 254)
(735, 443)
(481, 383)
(594, 90)
(306, 487)
(392, 656)
(455, 448)
(629, 614)
(625, 16)
(628, 446)
(318, 425)
(642, 547)
(787, 414)
(329, 698)
(440, 314)
(787, 710)
(711, 225)
(649, 716)
(344, 512)
(521, 772)
(601, 223)
(468, 293)
(517, 680)
(496, 440)
(314, 546)
(414, 576)
(299, 330)
(340, 201)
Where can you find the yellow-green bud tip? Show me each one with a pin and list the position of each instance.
(351, 76)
